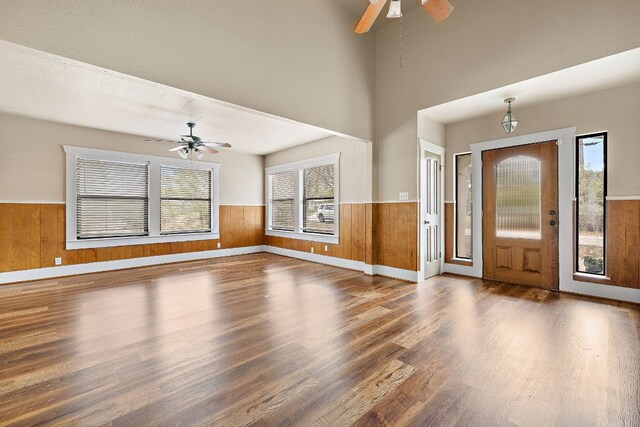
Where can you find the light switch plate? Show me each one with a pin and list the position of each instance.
(218, 245)
(404, 196)
(58, 261)
(311, 249)
(326, 248)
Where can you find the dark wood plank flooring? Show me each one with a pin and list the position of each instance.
(268, 340)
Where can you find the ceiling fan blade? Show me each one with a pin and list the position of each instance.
(161, 140)
(217, 144)
(209, 149)
(369, 16)
(438, 9)
(177, 148)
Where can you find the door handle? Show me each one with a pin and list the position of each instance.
(552, 222)
(552, 212)
(427, 222)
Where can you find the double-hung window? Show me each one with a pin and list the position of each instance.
(281, 202)
(119, 199)
(112, 199)
(185, 200)
(302, 199)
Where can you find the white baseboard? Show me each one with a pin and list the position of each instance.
(96, 267)
(584, 288)
(603, 291)
(396, 273)
(321, 259)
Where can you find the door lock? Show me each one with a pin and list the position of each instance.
(552, 212)
(552, 222)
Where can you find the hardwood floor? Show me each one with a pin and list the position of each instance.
(267, 340)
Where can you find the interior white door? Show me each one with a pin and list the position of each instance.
(431, 230)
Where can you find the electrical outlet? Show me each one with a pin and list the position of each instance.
(58, 261)
(218, 245)
(404, 196)
(326, 248)
(311, 249)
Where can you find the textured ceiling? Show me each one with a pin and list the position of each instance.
(49, 87)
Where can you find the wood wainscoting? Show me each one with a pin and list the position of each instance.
(374, 233)
(623, 243)
(33, 235)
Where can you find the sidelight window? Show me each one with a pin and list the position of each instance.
(463, 206)
(591, 192)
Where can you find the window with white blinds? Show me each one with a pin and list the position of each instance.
(303, 199)
(112, 199)
(281, 201)
(185, 200)
(120, 199)
(318, 199)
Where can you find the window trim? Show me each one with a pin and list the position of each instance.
(154, 163)
(455, 209)
(297, 168)
(576, 226)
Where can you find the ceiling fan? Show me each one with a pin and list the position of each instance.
(438, 9)
(190, 145)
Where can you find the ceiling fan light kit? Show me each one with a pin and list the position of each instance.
(395, 9)
(438, 9)
(191, 145)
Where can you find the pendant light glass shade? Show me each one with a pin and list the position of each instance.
(184, 153)
(510, 121)
(395, 9)
(199, 154)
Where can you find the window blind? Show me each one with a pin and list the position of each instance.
(281, 200)
(318, 199)
(112, 199)
(185, 200)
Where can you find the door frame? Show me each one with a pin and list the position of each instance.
(564, 138)
(566, 188)
(429, 147)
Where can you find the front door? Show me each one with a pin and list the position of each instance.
(520, 214)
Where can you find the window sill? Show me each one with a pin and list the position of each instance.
(592, 278)
(459, 261)
(323, 238)
(147, 240)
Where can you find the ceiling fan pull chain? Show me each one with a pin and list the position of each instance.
(400, 42)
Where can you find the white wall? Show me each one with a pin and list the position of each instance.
(355, 164)
(483, 45)
(615, 110)
(296, 59)
(32, 161)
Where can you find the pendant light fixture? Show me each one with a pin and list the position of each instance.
(510, 120)
(395, 9)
